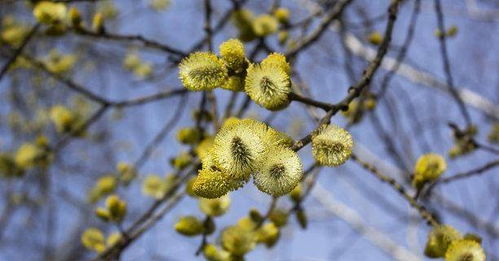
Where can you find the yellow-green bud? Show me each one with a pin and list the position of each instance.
(126, 172)
(113, 239)
(190, 135)
(154, 186)
(214, 207)
(452, 31)
(117, 208)
(8, 167)
(247, 223)
(74, 17)
(29, 155)
(282, 15)
(268, 234)
(93, 239)
(62, 118)
(375, 38)
(283, 37)
(212, 253)
(238, 241)
(439, 239)
(243, 20)
(189, 226)
(98, 23)
(279, 217)
(265, 25)
(428, 168)
(183, 160)
(50, 13)
(103, 214)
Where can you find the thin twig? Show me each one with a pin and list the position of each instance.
(18, 51)
(446, 63)
(428, 216)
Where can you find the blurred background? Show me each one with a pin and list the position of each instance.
(352, 215)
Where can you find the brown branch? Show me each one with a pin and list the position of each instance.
(335, 13)
(69, 83)
(446, 63)
(371, 69)
(308, 101)
(428, 216)
(133, 38)
(471, 173)
(149, 98)
(403, 51)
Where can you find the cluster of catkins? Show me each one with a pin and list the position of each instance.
(245, 147)
(248, 147)
(267, 83)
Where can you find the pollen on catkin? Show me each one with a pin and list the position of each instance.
(268, 85)
(237, 149)
(279, 173)
(270, 136)
(211, 182)
(234, 83)
(428, 168)
(332, 145)
(279, 60)
(465, 250)
(204, 147)
(439, 239)
(232, 54)
(202, 71)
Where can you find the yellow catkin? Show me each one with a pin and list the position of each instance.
(465, 250)
(268, 85)
(202, 71)
(214, 207)
(332, 145)
(439, 239)
(428, 168)
(279, 173)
